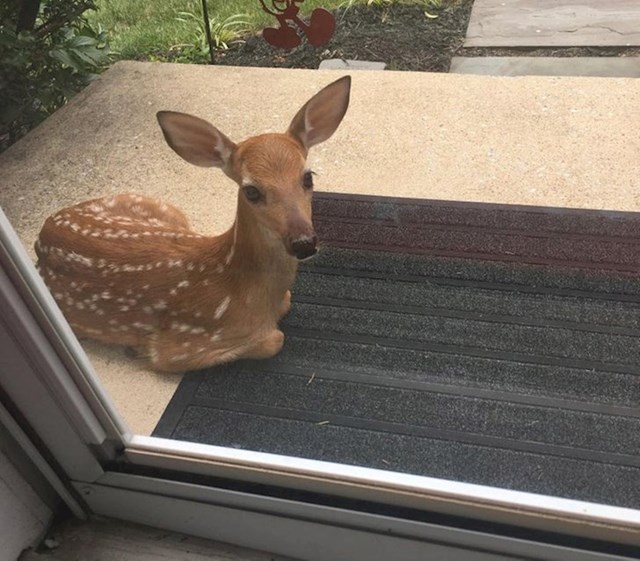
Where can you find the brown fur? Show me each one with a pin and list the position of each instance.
(129, 270)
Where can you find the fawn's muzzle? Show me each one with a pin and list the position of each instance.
(304, 247)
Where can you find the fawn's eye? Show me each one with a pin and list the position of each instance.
(307, 180)
(252, 193)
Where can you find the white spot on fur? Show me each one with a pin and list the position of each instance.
(177, 358)
(72, 256)
(181, 327)
(95, 207)
(222, 308)
(153, 355)
(229, 256)
(140, 211)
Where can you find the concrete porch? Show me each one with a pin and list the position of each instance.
(559, 142)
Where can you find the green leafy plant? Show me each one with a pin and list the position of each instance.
(46, 56)
(223, 32)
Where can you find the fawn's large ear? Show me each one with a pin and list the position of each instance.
(320, 116)
(195, 140)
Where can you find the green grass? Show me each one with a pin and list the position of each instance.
(140, 28)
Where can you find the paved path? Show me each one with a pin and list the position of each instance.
(554, 23)
(603, 67)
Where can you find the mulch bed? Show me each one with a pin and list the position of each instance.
(401, 35)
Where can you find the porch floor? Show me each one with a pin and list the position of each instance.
(104, 539)
(557, 142)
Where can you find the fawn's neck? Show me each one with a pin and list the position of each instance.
(249, 251)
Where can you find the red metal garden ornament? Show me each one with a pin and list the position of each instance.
(319, 30)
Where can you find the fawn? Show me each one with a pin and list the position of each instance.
(128, 269)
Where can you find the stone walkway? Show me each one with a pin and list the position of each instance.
(552, 24)
(605, 67)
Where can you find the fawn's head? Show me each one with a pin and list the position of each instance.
(275, 184)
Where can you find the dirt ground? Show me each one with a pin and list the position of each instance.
(400, 35)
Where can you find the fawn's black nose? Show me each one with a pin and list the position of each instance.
(304, 247)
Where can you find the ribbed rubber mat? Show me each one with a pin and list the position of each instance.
(486, 344)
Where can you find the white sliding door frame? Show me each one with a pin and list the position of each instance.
(47, 378)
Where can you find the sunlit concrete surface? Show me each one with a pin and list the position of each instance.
(612, 67)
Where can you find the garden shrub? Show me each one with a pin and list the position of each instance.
(48, 53)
